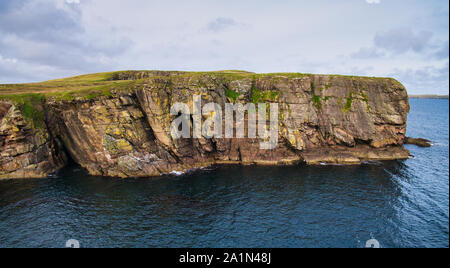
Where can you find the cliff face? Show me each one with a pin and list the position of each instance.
(109, 136)
(25, 151)
(123, 129)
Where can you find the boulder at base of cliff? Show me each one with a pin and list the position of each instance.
(419, 142)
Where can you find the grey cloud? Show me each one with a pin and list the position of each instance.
(37, 18)
(220, 24)
(6, 5)
(41, 21)
(39, 33)
(402, 40)
(426, 79)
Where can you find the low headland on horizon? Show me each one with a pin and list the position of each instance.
(429, 96)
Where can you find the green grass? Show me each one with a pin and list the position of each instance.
(86, 78)
(262, 96)
(82, 84)
(349, 102)
(317, 101)
(232, 94)
(30, 106)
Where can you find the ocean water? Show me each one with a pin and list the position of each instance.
(398, 203)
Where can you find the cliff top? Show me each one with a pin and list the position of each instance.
(93, 85)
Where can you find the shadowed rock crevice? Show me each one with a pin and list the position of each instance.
(4, 108)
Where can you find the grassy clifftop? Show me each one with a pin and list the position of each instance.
(92, 85)
(85, 85)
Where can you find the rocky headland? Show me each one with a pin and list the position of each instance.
(118, 124)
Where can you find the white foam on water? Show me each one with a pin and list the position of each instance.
(332, 164)
(177, 173)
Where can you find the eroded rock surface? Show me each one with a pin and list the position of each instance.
(109, 137)
(25, 151)
(322, 119)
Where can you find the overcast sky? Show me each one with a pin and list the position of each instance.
(404, 39)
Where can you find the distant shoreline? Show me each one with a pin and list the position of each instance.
(428, 97)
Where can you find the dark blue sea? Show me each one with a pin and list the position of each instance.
(399, 203)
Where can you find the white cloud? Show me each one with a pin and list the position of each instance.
(72, 1)
(373, 1)
(7, 60)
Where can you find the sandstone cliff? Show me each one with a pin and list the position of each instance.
(118, 124)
